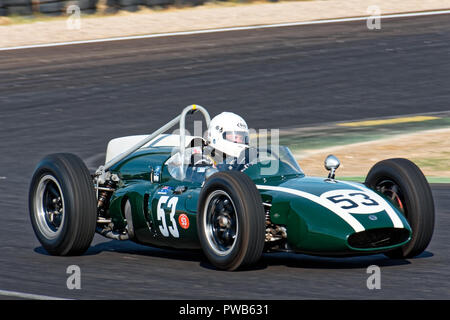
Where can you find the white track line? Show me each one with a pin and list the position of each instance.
(28, 295)
(265, 26)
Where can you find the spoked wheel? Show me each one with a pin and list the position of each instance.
(62, 205)
(231, 220)
(404, 184)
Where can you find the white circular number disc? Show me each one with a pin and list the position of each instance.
(356, 201)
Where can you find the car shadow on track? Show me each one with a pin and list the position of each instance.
(131, 248)
(302, 261)
(356, 262)
(268, 260)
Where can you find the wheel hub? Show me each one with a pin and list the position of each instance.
(49, 207)
(391, 190)
(221, 222)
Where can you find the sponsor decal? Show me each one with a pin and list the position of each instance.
(183, 220)
(165, 190)
(242, 125)
(157, 174)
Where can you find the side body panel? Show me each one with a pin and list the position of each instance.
(161, 217)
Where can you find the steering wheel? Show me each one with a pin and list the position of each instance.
(203, 161)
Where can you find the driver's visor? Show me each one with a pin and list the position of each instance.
(236, 136)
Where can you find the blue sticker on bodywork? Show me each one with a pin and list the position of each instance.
(165, 190)
(157, 174)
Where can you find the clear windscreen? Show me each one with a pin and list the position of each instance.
(256, 162)
(273, 161)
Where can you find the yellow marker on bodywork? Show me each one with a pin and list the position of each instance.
(386, 121)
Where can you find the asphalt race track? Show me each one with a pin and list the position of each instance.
(75, 98)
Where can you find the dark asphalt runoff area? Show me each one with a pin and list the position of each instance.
(76, 98)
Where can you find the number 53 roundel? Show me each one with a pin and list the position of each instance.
(168, 227)
(356, 201)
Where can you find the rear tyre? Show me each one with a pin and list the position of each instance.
(62, 205)
(231, 220)
(404, 183)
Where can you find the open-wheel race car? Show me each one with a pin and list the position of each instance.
(174, 191)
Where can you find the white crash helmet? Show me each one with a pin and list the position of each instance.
(228, 133)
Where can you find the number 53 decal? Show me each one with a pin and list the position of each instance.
(355, 201)
(161, 214)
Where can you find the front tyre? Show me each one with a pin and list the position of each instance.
(62, 205)
(402, 181)
(231, 220)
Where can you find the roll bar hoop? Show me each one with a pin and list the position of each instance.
(101, 171)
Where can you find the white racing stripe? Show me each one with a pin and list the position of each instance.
(31, 296)
(347, 217)
(265, 26)
(391, 213)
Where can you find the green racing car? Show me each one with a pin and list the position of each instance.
(233, 200)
